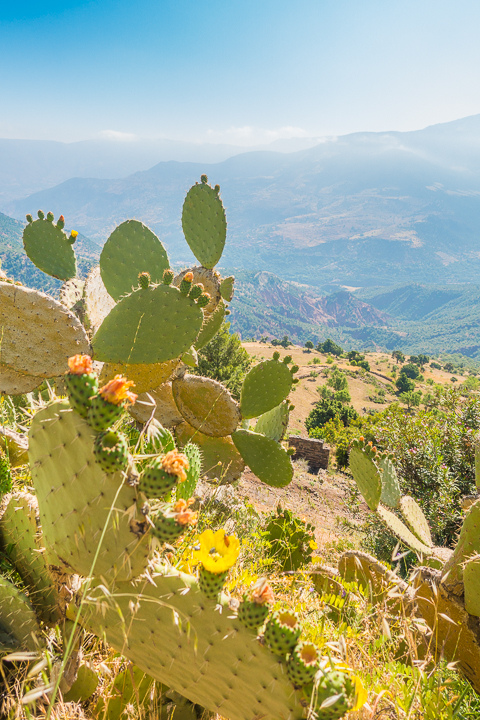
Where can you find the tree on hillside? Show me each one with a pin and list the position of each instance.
(404, 384)
(327, 409)
(411, 370)
(309, 345)
(398, 356)
(329, 347)
(225, 359)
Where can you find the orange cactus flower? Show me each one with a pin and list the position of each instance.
(80, 364)
(175, 463)
(188, 277)
(117, 391)
(183, 515)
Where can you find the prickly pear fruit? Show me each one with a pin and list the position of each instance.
(282, 631)
(254, 607)
(111, 451)
(172, 520)
(338, 687)
(81, 383)
(163, 473)
(107, 406)
(302, 663)
(211, 583)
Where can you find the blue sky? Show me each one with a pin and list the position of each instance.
(240, 72)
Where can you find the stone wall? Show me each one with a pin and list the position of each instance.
(316, 452)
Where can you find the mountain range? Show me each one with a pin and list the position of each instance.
(360, 210)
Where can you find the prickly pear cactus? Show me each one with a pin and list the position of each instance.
(48, 247)
(267, 459)
(206, 405)
(265, 386)
(366, 473)
(206, 239)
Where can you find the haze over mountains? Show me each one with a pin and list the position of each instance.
(359, 210)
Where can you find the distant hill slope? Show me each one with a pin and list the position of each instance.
(17, 265)
(360, 210)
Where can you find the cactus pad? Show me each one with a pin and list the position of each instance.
(132, 248)
(204, 224)
(210, 281)
(150, 325)
(186, 489)
(98, 302)
(75, 498)
(468, 545)
(206, 405)
(145, 377)
(13, 382)
(415, 519)
(71, 292)
(38, 333)
(373, 578)
(19, 628)
(265, 386)
(274, 423)
(402, 532)
(21, 541)
(391, 493)
(49, 248)
(268, 460)
(471, 580)
(477, 460)
(366, 475)
(162, 409)
(220, 457)
(211, 325)
(226, 288)
(204, 654)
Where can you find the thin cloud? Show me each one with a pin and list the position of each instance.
(117, 135)
(250, 135)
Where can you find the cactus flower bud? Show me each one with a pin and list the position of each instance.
(167, 277)
(204, 179)
(144, 280)
(195, 292)
(73, 236)
(41, 214)
(29, 218)
(203, 300)
(50, 217)
(61, 222)
(276, 355)
(287, 359)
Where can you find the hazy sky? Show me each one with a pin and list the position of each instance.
(235, 71)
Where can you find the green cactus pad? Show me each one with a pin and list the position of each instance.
(251, 614)
(367, 477)
(75, 498)
(274, 423)
(98, 302)
(186, 489)
(206, 405)
(151, 325)
(477, 460)
(21, 541)
(49, 249)
(130, 688)
(220, 457)
(16, 383)
(15, 446)
(391, 493)
(210, 583)
(38, 333)
(282, 631)
(415, 519)
(471, 579)
(268, 460)
(19, 628)
(204, 224)
(303, 663)
(111, 451)
(190, 358)
(172, 633)
(227, 289)
(467, 546)
(373, 578)
(132, 248)
(265, 386)
(159, 404)
(145, 377)
(84, 686)
(210, 280)
(211, 325)
(402, 532)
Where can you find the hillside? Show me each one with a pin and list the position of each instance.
(359, 210)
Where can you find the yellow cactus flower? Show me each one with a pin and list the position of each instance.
(218, 552)
(74, 233)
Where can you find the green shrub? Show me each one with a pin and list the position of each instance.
(329, 347)
(404, 384)
(291, 540)
(411, 371)
(327, 409)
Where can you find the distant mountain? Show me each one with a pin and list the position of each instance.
(17, 265)
(361, 210)
(28, 166)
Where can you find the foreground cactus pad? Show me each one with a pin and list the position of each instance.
(204, 223)
(206, 405)
(266, 386)
(77, 500)
(49, 248)
(366, 475)
(268, 460)
(151, 325)
(220, 457)
(131, 249)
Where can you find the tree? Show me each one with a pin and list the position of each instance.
(398, 356)
(330, 347)
(411, 398)
(309, 345)
(411, 370)
(404, 384)
(328, 409)
(224, 359)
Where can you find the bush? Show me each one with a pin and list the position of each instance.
(328, 409)
(404, 384)
(225, 359)
(411, 370)
(309, 345)
(435, 366)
